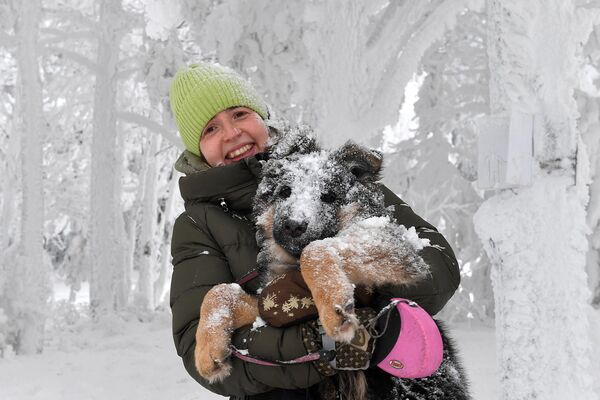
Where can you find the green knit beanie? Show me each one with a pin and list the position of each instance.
(201, 91)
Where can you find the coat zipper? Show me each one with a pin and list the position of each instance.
(226, 209)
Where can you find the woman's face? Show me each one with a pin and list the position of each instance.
(232, 135)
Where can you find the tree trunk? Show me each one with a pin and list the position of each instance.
(536, 236)
(30, 279)
(161, 285)
(106, 234)
(145, 284)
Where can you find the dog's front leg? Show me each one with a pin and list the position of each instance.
(225, 308)
(332, 266)
(331, 290)
(376, 252)
(387, 260)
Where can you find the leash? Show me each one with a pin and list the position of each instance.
(247, 277)
(373, 321)
(326, 355)
(328, 352)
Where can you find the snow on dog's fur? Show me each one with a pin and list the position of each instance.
(321, 211)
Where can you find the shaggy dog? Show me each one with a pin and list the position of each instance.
(323, 212)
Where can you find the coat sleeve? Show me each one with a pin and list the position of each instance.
(199, 265)
(435, 291)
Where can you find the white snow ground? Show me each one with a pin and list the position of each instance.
(137, 360)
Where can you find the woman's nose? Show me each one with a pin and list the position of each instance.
(231, 132)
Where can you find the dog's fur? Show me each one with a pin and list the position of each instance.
(323, 211)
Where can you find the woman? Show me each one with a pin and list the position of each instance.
(225, 127)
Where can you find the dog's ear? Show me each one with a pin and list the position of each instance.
(365, 164)
(297, 140)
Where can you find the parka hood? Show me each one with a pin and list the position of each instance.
(235, 184)
(188, 163)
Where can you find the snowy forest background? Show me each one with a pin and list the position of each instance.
(88, 193)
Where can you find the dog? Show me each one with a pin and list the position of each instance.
(322, 211)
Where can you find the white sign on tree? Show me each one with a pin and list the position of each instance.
(505, 151)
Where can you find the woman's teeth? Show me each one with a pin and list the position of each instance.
(239, 151)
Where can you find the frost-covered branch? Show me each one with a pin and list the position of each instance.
(588, 4)
(383, 22)
(58, 36)
(74, 56)
(7, 40)
(146, 122)
(399, 22)
(125, 74)
(72, 15)
(405, 58)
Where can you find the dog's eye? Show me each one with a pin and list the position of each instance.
(328, 197)
(285, 192)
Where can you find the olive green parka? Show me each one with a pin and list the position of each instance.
(214, 242)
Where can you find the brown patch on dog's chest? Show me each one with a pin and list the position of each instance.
(346, 214)
(281, 260)
(265, 221)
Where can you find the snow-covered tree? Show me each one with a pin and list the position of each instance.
(107, 291)
(166, 57)
(588, 99)
(66, 39)
(434, 169)
(346, 75)
(29, 289)
(536, 235)
(10, 192)
(75, 72)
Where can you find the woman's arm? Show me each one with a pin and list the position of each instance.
(435, 291)
(199, 265)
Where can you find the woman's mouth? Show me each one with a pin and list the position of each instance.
(242, 152)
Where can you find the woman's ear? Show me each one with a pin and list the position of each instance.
(365, 164)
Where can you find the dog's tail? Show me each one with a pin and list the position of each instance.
(352, 385)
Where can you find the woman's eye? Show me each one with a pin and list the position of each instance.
(240, 114)
(328, 197)
(209, 130)
(285, 192)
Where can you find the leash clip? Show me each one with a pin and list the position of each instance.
(327, 355)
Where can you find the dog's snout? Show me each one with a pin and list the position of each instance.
(295, 228)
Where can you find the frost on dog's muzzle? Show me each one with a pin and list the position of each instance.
(298, 223)
(292, 236)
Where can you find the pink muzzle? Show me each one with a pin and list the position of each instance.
(418, 352)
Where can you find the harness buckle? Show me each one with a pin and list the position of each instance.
(327, 355)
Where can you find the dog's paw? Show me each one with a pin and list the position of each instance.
(211, 354)
(340, 323)
(212, 365)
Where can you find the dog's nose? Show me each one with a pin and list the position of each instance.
(294, 228)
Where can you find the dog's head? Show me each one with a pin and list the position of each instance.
(311, 194)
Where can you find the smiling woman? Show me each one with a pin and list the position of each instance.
(232, 135)
(225, 125)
